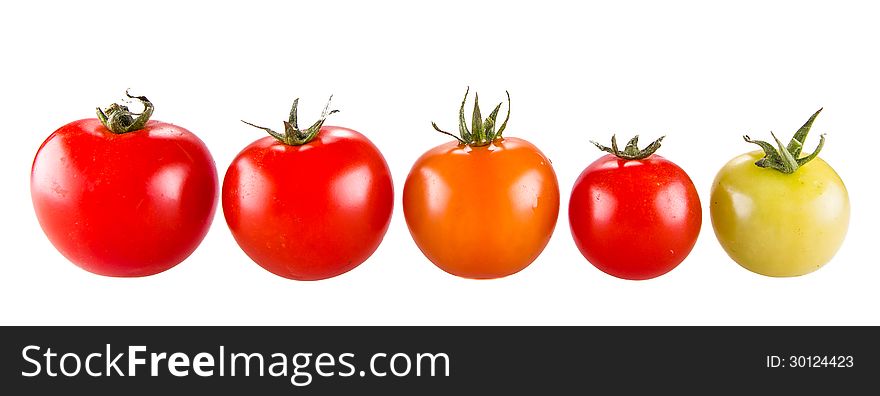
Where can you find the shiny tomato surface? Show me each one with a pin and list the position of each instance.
(634, 219)
(311, 211)
(129, 204)
(778, 224)
(482, 212)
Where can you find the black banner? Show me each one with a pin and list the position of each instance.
(404, 360)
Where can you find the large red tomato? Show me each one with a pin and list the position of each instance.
(484, 206)
(310, 204)
(132, 198)
(634, 214)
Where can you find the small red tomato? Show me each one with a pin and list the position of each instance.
(308, 204)
(634, 214)
(124, 196)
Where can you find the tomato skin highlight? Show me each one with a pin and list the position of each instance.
(124, 205)
(482, 212)
(778, 224)
(313, 211)
(634, 219)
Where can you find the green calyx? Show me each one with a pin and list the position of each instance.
(787, 159)
(482, 132)
(119, 119)
(631, 151)
(294, 136)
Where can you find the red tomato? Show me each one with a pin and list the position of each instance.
(484, 206)
(634, 218)
(124, 204)
(309, 211)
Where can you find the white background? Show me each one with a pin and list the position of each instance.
(703, 74)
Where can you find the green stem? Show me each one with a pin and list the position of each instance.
(294, 136)
(119, 119)
(631, 151)
(787, 159)
(482, 132)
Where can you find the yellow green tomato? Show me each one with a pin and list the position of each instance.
(777, 213)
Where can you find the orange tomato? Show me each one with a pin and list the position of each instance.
(482, 211)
